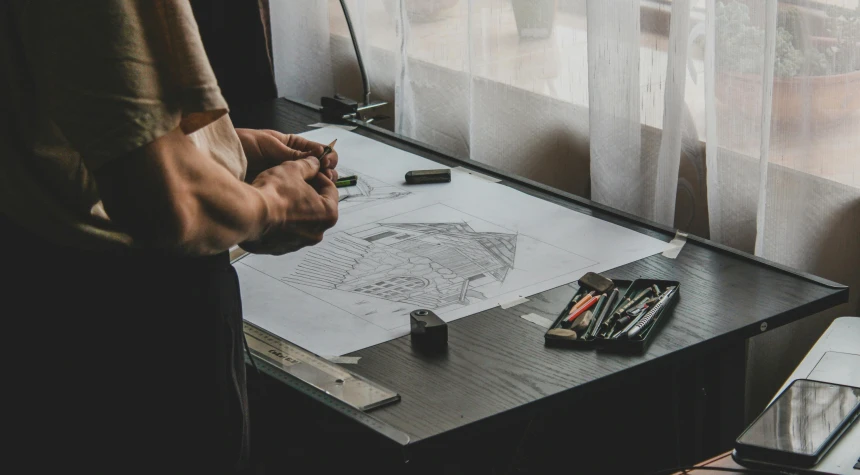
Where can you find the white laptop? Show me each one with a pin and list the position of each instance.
(835, 358)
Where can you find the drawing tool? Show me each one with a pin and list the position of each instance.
(626, 326)
(623, 321)
(350, 180)
(601, 302)
(629, 303)
(644, 321)
(582, 301)
(641, 305)
(610, 331)
(577, 302)
(327, 150)
(640, 298)
(417, 177)
(577, 298)
(613, 298)
(582, 309)
(313, 375)
(626, 302)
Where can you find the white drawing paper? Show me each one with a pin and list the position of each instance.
(368, 191)
(457, 248)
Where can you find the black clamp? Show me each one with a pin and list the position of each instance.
(334, 109)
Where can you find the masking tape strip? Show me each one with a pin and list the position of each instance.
(343, 359)
(537, 320)
(676, 245)
(476, 174)
(513, 303)
(338, 126)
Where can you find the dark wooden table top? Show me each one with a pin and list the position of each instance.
(497, 362)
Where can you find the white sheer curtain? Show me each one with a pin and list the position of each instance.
(737, 120)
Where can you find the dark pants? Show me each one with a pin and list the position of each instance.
(107, 360)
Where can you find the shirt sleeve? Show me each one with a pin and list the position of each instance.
(116, 75)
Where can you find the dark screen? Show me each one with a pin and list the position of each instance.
(803, 417)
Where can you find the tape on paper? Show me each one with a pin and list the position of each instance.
(537, 320)
(675, 245)
(513, 303)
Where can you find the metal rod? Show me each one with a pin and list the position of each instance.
(364, 82)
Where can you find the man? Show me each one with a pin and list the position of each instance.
(122, 186)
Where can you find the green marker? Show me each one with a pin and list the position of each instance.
(346, 181)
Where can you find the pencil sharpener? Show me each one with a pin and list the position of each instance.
(429, 332)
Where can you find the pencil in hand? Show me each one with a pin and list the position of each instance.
(327, 150)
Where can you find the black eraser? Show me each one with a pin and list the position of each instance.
(429, 332)
(596, 282)
(417, 177)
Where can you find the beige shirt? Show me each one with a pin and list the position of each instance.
(85, 82)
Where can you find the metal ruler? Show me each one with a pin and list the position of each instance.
(322, 380)
(312, 374)
(318, 378)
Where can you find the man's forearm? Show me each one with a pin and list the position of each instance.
(170, 195)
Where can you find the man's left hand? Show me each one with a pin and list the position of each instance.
(268, 148)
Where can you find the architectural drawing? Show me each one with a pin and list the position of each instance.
(430, 265)
(457, 248)
(367, 192)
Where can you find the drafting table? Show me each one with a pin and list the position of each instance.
(497, 374)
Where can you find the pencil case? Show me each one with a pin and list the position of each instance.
(590, 284)
(642, 304)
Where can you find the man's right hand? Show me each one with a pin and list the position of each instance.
(301, 205)
(171, 195)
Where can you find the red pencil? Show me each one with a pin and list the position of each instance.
(582, 309)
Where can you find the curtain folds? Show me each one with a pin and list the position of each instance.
(738, 120)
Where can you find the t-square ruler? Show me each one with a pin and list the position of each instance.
(315, 373)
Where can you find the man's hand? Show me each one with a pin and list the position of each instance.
(171, 195)
(301, 204)
(269, 148)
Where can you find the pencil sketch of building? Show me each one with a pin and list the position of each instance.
(431, 265)
(366, 192)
